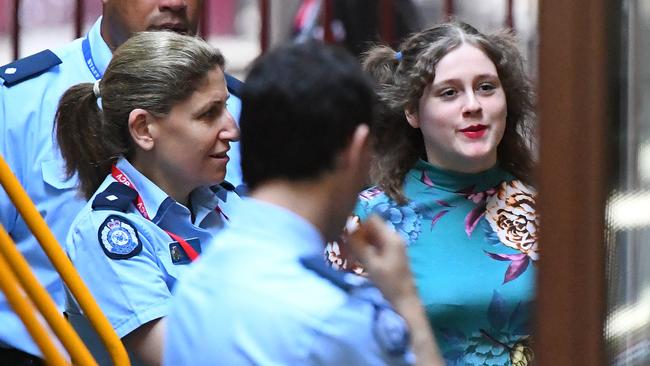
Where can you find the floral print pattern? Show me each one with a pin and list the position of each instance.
(337, 255)
(511, 214)
(506, 342)
(406, 219)
(510, 211)
(472, 244)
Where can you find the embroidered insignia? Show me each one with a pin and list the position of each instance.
(391, 331)
(178, 254)
(118, 238)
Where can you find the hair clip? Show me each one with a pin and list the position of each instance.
(96, 90)
(398, 56)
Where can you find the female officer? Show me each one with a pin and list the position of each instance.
(149, 144)
(452, 165)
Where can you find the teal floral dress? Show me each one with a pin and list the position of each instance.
(472, 244)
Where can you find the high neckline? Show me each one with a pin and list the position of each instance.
(432, 176)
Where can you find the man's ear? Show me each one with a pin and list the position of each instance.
(412, 116)
(142, 128)
(357, 154)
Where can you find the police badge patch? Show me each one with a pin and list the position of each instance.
(118, 238)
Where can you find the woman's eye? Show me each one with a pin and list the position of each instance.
(210, 113)
(447, 93)
(486, 87)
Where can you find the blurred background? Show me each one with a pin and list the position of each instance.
(242, 29)
(593, 76)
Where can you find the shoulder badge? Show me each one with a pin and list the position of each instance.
(344, 280)
(119, 238)
(234, 85)
(28, 67)
(117, 197)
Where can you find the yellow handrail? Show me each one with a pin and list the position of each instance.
(26, 312)
(40, 297)
(63, 265)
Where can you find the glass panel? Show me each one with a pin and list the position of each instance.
(627, 329)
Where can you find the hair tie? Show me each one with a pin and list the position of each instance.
(398, 56)
(96, 88)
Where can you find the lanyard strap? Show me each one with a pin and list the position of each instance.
(119, 176)
(88, 56)
(122, 178)
(220, 211)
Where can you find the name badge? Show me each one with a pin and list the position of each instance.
(178, 254)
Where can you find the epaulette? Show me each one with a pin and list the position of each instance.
(28, 67)
(116, 197)
(344, 280)
(234, 85)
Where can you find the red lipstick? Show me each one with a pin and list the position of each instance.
(474, 131)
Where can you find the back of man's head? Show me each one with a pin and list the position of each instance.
(300, 107)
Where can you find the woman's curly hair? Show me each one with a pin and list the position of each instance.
(401, 77)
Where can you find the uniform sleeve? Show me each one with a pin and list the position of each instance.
(129, 287)
(362, 333)
(7, 210)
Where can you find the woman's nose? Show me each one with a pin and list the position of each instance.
(472, 104)
(230, 130)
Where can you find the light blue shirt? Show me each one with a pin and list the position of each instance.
(28, 145)
(250, 301)
(133, 287)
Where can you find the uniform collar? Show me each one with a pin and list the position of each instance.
(292, 233)
(152, 196)
(205, 200)
(98, 48)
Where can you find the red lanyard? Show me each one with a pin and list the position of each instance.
(122, 178)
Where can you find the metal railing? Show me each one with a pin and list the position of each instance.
(23, 291)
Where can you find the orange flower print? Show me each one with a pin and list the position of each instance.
(511, 214)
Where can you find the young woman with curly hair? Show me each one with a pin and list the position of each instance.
(453, 170)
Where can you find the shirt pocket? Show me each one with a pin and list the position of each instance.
(54, 175)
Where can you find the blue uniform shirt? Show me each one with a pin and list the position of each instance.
(27, 111)
(260, 296)
(27, 144)
(130, 263)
